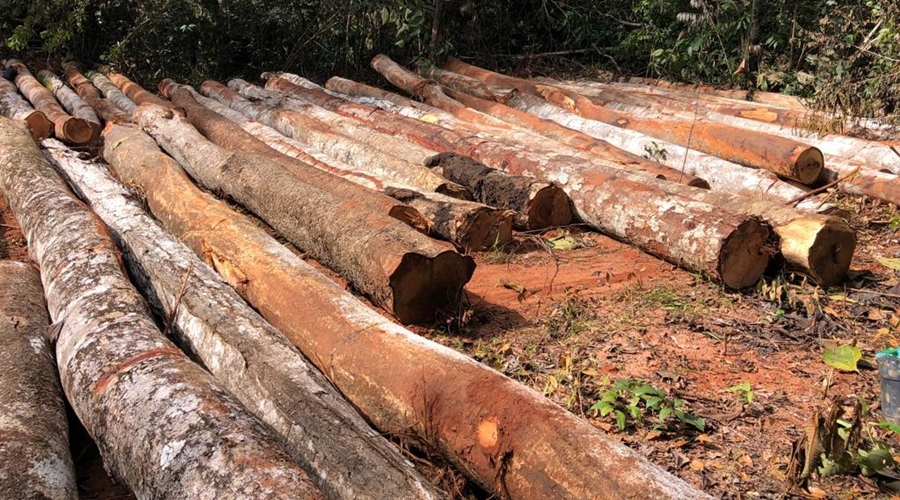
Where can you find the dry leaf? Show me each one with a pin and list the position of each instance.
(697, 465)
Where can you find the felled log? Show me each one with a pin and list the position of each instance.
(468, 225)
(726, 245)
(65, 126)
(253, 361)
(13, 106)
(112, 93)
(70, 101)
(538, 205)
(135, 92)
(35, 448)
(784, 157)
(504, 436)
(232, 95)
(319, 135)
(89, 93)
(406, 272)
(163, 426)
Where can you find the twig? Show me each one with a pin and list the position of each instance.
(824, 188)
(184, 282)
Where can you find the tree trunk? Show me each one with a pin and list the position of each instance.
(252, 360)
(86, 90)
(35, 447)
(72, 103)
(112, 93)
(13, 106)
(320, 135)
(501, 434)
(716, 241)
(66, 127)
(409, 274)
(538, 205)
(784, 157)
(163, 426)
(468, 225)
(135, 92)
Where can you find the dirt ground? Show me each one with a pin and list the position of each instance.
(571, 322)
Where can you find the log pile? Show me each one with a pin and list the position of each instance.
(302, 382)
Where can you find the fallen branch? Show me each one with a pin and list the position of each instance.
(824, 188)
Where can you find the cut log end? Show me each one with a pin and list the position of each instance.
(825, 247)
(745, 254)
(698, 183)
(39, 125)
(411, 217)
(549, 207)
(74, 131)
(422, 286)
(488, 228)
(809, 165)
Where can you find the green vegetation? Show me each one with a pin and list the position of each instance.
(845, 53)
(636, 401)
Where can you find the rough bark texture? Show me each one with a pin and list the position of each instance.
(501, 434)
(135, 92)
(537, 204)
(401, 269)
(34, 434)
(470, 226)
(714, 240)
(229, 135)
(112, 93)
(319, 134)
(785, 157)
(65, 126)
(163, 426)
(253, 361)
(86, 90)
(70, 100)
(769, 98)
(13, 106)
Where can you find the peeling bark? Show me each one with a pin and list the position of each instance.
(72, 103)
(468, 225)
(784, 157)
(538, 205)
(86, 90)
(13, 106)
(253, 361)
(65, 126)
(34, 448)
(163, 426)
(716, 241)
(405, 385)
(112, 93)
(409, 274)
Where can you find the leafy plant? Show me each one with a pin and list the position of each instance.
(745, 390)
(568, 317)
(636, 401)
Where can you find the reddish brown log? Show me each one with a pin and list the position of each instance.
(501, 434)
(406, 272)
(727, 246)
(35, 447)
(163, 425)
(66, 127)
(112, 93)
(13, 106)
(70, 100)
(135, 92)
(86, 90)
(785, 157)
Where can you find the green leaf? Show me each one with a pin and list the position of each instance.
(890, 263)
(698, 422)
(563, 243)
(664, 412)
(620, 420)
(843, 358)
(874, 461)
(118, 143)
(884, 424)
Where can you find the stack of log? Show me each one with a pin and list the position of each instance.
(299, 386)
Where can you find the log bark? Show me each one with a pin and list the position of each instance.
(35, 446)
(230, 136)
(252, 360)
(468, 225)
(70, 101)
(319, 135)
(13, 106)
(65, 126)
(538, 205)
(410, 151)
(722, 244)
(135, 92)
(409, 274)
(501, 434)
(163, 426)
(89, 93)
(784, 157)
(112, 93)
